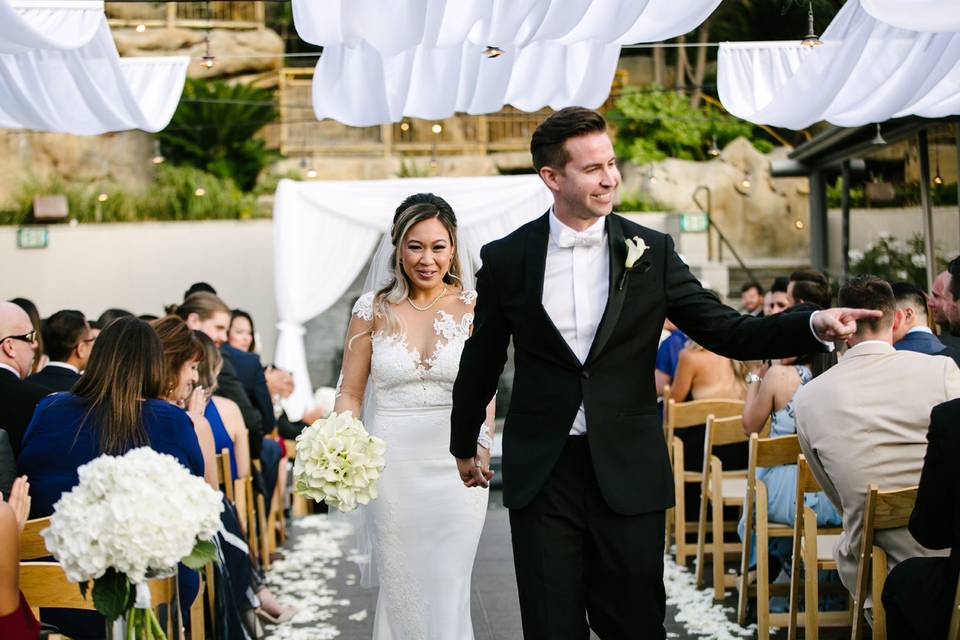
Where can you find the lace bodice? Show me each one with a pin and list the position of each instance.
(403, 377)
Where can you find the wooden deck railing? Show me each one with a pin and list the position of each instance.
(301, 133)
(220, 14)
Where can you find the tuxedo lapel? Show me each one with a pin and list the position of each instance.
(616, 293)
(535, 264)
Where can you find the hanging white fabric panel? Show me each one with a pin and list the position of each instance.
(326, 232)
(87, 89)
(916, 15)
(48, 24)
(866, 71)
(386, 59)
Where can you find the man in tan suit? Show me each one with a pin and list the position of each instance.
(865, 421)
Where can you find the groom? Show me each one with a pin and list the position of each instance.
(585, 469)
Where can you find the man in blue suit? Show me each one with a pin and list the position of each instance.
(913, 332)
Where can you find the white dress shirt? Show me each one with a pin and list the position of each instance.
(919, 329)
(4, 365)
(576, 282)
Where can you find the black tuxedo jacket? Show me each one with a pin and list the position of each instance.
(935, 521)
(229, 386)
(18, 399)
(615, 383)
(55, 378)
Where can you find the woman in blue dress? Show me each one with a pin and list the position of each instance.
(771, 394)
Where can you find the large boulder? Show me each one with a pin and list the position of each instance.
(767, 218)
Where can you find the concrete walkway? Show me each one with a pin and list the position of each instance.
(317, 575)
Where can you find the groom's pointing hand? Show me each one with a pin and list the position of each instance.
(841, 323)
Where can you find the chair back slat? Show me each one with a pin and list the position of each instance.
(892, 509)
(32, 545)
(44, 584)
(806, 481)
(695, 412)
(773, 452)
(721, 431)
(225, 473)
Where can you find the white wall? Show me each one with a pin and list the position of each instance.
(144, 266)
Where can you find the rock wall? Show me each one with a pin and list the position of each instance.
(767, 218)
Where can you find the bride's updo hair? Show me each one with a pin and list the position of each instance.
(414, 209)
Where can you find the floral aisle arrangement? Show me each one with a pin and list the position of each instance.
(338, 462)
(894, 260)
(131, 518)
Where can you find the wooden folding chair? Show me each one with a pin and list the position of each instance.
(32, 545)
(225, 474)
(883, 510)
(718, 489)
(682, 415)
(764, 452)
(299, 505)
(813, 552)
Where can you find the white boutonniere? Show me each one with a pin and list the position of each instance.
(636, 247)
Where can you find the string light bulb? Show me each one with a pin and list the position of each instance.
(141, 28)
(937, 178)
(311, 173)
(745, 182)
(199, 192)
(714, 150)
(437, 128)
(404, 126)
(157, 156)
(208, 60)
(798, 224)
(811, 39)
(492, 52)
(102, 197)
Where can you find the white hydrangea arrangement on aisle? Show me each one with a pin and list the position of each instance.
(131, 518)
(338, 462)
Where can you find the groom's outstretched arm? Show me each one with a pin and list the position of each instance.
(480, 364)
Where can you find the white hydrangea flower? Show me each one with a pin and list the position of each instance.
(884, 235)
(902, 274)
(919, 260)
(883, 259)
(855, 255)
(338, 462)
(140, 514)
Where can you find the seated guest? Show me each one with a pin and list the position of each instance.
(224, 416)
(115, 406)
(182, 354)
(110, 315)
(865, 421)
(18, 398)
(914, 333)
(41, 355)
(776, 299)
(16, 617)
(918, 593)
(66, 337)
(751, 299)
(198, 287)
(938, 296)
(771, 388)
(668, 354)
(810, 287)
(240, 334)
(703, 374)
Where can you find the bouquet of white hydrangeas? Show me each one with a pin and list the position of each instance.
(131, 518)
(338, 462)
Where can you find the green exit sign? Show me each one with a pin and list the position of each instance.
(32, 237)
(694, 222)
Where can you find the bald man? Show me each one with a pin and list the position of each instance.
(18, 398)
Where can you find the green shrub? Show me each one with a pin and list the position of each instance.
(653, 124)
(894, 260)
(213, 129)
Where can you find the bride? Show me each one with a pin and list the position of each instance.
(400, 360)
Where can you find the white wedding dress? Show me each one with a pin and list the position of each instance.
(425, 525)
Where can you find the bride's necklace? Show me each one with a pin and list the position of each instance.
(429, 306)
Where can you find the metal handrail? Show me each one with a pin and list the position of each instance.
(713, 225)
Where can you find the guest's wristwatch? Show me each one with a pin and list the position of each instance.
(751, 377)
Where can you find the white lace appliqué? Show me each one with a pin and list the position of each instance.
(363, 307)
(402, 376)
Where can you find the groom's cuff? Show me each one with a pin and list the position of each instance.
(829, 345)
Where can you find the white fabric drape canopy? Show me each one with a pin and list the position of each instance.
(386, 59)
(57, 24)
(916, 15)
(56, 74)
(326, 232)
(866, 71)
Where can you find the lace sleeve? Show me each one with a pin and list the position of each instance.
(363, 307)
(468, 296)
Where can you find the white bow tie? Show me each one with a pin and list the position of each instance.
(589, 238)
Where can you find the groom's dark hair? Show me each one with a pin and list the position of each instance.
(869, 292)
(546, 146)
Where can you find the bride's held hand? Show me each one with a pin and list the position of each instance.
(475, 471)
